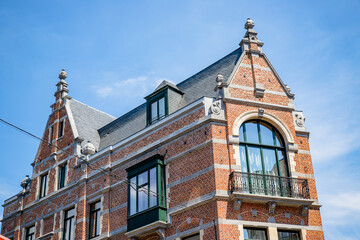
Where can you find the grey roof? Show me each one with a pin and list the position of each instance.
(199, 85)
(88, 120)
(166, 83)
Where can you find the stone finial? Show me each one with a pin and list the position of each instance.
(88, 149)
(249, 24)
(62, 74)
(219, 78)
(25, 182)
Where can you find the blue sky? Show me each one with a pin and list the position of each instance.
(116, 52)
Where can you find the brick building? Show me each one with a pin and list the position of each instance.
(222, 155)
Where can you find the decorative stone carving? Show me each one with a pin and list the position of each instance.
(219, 86)
(62, 74)
(249, 24)
(305, 211)
(25, 183)
(254, 212)
(259, 90)
(216, 107)
(300, 119)
(237, 204)
(272, 207)
(88, 148)
(261, 112)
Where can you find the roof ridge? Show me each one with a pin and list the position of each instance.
(97, 110)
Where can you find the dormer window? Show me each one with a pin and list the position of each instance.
(163, 101)
(157, 109)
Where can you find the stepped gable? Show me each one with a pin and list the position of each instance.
(88, 120)
(199, 85)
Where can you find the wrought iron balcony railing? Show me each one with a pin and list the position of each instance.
(243, 182)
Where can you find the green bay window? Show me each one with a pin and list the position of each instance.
(146, 188)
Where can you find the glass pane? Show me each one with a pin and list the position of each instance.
(143, 201)
(70, 213)
(255, 160)
(284, 235)
(67, 229)
(254, 234)
(251, 132)
(282, 164)
(243, 163)
(97, 223)
(266, 134)
(270, 162)
(154, 111)
(278, 141)
(143, 178)
(153, 187)
(32, 230)
(161, 107)
(132, 195)
(241, 133)
(192, 237)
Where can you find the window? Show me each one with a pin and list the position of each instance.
(157, 109)
(61, 129)
(288, 235)
(30, 233)
(43, 186)
(68, 233)
(62, 176)
(255, 234)
(50, 134)
(192, 237)
(146, 193)
(261, 149)
(94, 225)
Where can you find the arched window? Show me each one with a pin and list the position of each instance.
(262, 149)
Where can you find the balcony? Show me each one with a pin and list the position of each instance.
(250, 187)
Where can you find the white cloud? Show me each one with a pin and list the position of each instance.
(129, 88)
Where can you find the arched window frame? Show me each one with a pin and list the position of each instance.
(278, 145)
(289, 143)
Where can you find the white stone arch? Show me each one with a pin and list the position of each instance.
(267, 117)
(285, 132)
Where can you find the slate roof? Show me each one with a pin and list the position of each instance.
(201, 84)
(88, 120)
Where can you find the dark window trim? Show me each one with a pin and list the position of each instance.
(66, 218)
(265, 146)
(156, 98)
(290, 231)
(61, 128)
(30, 236)
(190, 236)
(259, 228)
(43, 186)
(62, 176)
(91, 224)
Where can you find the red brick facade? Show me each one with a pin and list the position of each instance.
(201, 153)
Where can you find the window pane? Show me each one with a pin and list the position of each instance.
(153, 187)
(143, 178)
(97, 223)
(270, 162)
(132, 195)
(241, 133)
(284, 235)
(192, 237)
(266, 134)
(282, 164)
(143, 201)
(161, 107)
(255, 160)
(243, 159)
(254, 234)
(251, 132)
(278, 142)
(154, 111)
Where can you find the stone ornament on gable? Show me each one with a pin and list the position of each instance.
(216, 107)
(299, 119)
